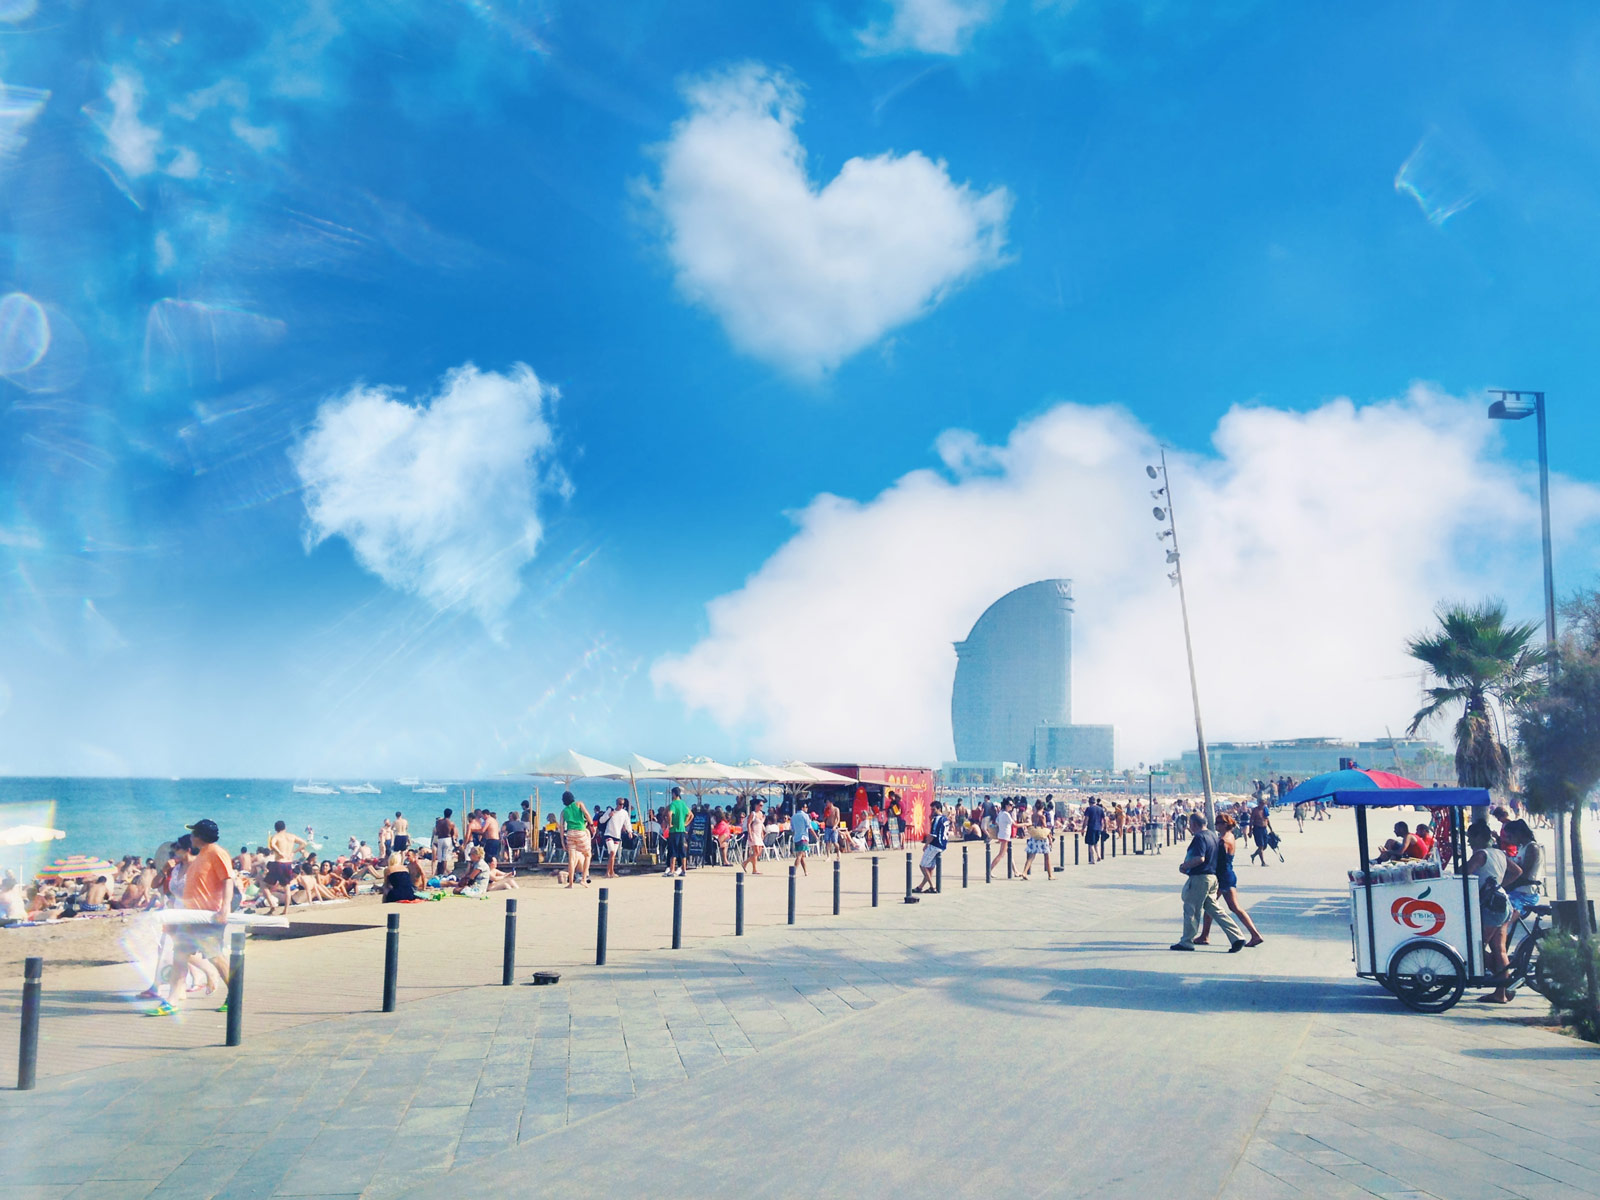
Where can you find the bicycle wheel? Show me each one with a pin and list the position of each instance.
(1524, 962)
(1427, 976)
(1551, 988)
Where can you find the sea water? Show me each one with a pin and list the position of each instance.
(109, 818)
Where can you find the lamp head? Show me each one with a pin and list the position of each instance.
(1151, 471)
(1159, 513)
(1514, 406)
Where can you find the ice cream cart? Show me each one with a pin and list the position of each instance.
(1415, 927)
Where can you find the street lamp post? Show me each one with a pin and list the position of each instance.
(1517, 406)
(1165, 514)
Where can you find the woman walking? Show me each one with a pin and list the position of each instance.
(575, 820)
(1038, 842)
(755, 837)
(1228, 886)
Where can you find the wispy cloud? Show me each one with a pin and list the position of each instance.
(801, 275)
(441, 498)
(927, 26)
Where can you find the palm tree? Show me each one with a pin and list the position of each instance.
(1486, 666)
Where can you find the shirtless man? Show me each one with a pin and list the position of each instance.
(401, 842)
(489, 829)
(281, 847)
(444, 844)
(97, 896)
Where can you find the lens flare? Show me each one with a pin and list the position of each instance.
(1439, 178)
(24, 333)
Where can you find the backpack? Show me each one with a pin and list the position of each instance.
(1494, 901)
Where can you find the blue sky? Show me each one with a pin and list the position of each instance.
(258, 516)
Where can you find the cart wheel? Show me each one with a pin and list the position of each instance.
(1427, 976)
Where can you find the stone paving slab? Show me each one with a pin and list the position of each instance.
(1012, 1036)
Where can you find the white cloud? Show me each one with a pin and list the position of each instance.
(928, 26)
(800, 275)
(441, 498)
(130, 142)
(185, 164)
(1314, 544)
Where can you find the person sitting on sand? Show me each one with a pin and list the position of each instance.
(310, 882)
(96, 895)
(398, 884)
(481, 876)
(134, 894)
(13, 904)
(42, 904)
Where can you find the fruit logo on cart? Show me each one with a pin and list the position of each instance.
(1418, 914)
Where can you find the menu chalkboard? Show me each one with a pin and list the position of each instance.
(699, 834)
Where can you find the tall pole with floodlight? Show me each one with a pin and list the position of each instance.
(1165, 514)
(1517, 406)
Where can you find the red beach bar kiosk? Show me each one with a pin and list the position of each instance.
(912, 786)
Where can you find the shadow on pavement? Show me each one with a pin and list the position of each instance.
(1558, 1053)
(1163, 991)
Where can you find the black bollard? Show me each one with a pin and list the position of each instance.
(1074, 850)
(738, 904)
(1124, 843)
(508, 959)
(874, 881)
(988, 863)
(1113, 838)
(963, 866)
(600, 928)
(1010, 872)
(908, 877)
(938, 874)
(236, 990)
(677, 914)
(791, 895)
(28, 1051)
(836, 887)
(391, 961)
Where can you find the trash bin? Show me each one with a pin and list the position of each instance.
(1150, 838)
(1564, 916)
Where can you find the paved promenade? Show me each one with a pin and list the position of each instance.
(1031, 1036)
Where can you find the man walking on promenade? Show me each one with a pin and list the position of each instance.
(208, 886)
(800, 835)
(1094, 828)
(933, 847)
(677, 832)
(1200, 889)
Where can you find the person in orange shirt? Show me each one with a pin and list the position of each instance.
(208, 886)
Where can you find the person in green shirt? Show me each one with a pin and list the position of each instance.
(580, 850)
(677, 832)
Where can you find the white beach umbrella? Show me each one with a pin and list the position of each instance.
(27, 835)
(816, 774)
(569, 765)
(700, 774)
(645, 768)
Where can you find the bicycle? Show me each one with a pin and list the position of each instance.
(1525, 962)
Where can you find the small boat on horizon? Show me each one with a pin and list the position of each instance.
(430, 789)
(360, 789)
(410, 783)
(315, 789)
